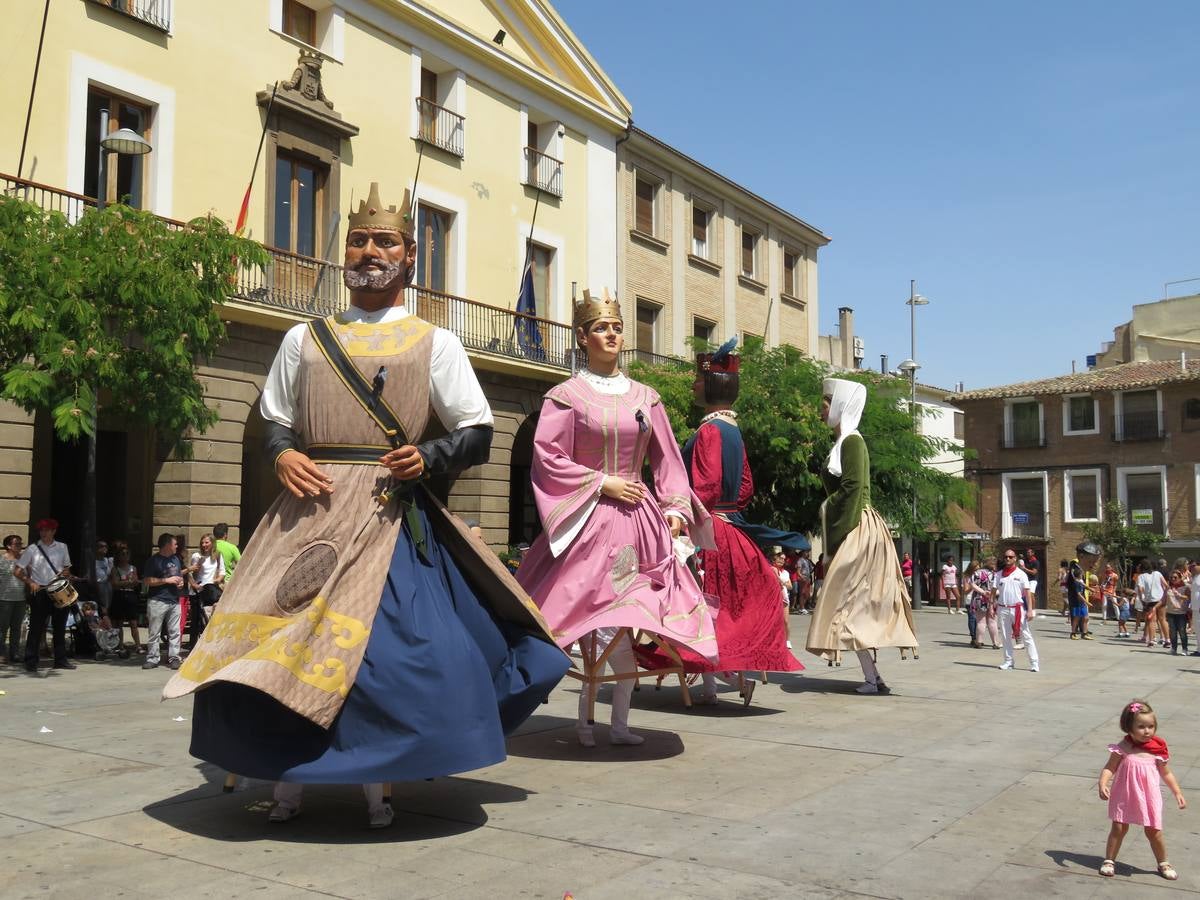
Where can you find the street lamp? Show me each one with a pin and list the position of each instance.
(910, 367)
(124, 141)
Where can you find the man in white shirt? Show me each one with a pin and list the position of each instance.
(1013, 594)
(39, 565)
(1194, 593)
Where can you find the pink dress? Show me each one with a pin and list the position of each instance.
(600, 563)
(1134, 797)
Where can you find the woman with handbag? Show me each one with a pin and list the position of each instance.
(206, 575)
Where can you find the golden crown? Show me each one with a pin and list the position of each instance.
(371, 213)
(593, 308)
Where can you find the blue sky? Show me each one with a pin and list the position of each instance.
(1034, 165)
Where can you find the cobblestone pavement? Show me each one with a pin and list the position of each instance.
(965, 781)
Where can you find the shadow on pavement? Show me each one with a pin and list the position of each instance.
(333, 814)
(1091, 862)
(557, 742)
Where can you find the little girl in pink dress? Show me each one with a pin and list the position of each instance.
(1130, 783)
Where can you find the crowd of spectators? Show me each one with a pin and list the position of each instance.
(171, 594)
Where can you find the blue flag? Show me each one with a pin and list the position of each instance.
(529, 336)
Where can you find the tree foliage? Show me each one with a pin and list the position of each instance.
(115, 310)
(1119, 540)
(786, 441)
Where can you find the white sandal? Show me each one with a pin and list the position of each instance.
(1108, 868)
(1167, 871)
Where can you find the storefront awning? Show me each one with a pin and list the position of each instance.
(961, 523)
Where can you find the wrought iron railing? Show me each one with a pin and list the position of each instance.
(156, 13)
(441, 127)
(1140, 426)
(543, 172)
(302, 284)
(651, 359)
(1021, 438)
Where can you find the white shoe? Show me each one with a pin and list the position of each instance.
(867, 688)
(1019, 646)
(1004, 667)
(628, 738)
(586, 738)
(707, 699)
(283, 812)
(381, 817)
(789, 645)
(1034, 669)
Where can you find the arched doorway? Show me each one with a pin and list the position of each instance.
(523, 522)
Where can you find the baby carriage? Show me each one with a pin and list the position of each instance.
(106, 638)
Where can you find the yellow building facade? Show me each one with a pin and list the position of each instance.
(515, 129)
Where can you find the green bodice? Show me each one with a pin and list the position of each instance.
(848, 494)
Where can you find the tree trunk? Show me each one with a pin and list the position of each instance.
(89, 507)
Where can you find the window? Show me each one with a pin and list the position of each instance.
(701, 217)
(299, 196)
(960, 430)
(1023, 505)
(152, 12)
(1081, 495)
(647, 326)
(300, 22)
(791, 273)
(1081, 414)
(749, 251)
(645, 201)
(703, 331)
(1143, 491)
(433, 242)
(125, 175)
(1023, 424)
(543, 262)
(437, 123)
(1139, 416)
(543, 144)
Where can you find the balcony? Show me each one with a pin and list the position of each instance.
(543, 172)
(1141, 426)
(155, 13)
(441, 127)
(314, 287)
(1021, 439)
(651, 359)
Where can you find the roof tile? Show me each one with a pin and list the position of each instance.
(1114, 378)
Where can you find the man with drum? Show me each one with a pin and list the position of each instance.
(41, 564)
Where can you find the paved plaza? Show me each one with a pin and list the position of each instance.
(966, 781)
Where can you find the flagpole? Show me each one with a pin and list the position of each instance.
(37, 66)
(262, 139)
(528, 254)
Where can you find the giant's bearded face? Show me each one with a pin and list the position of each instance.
(375, 258)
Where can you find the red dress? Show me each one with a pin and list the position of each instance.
(751, 634)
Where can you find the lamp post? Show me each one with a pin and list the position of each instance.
(910, 367)
(126, 142)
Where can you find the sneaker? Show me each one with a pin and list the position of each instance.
(867, 688)
(883, 688)
(1035, 668)
(1088, 636)
(149, 665)
(381, 817)
(586, 738)
(707, 699)
(789, 645)
(626, 738)
(1074, 636)
(1019, 646)
(1005, 667)
(65, 664)
(174, 662)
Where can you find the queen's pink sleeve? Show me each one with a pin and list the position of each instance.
(565, 491)
(675, 494)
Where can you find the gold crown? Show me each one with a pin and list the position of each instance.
(593, 308)
(371, 213)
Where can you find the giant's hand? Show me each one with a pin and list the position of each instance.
(300, 475)
(405, 463)
(628, 492)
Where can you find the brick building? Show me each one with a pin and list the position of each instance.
(1050, 453)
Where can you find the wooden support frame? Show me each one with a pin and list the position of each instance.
(593, 675)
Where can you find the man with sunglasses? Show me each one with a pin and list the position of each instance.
(1013, 596)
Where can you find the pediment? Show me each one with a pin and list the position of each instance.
(538, 39)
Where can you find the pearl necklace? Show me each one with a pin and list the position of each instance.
(728, 414)
(615, 383)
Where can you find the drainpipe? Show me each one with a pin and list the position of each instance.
(619, 219)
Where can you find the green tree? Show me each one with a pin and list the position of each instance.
(1119, 540)
(786, 441)
(112, 312)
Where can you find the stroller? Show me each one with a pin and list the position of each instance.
(107, 640)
